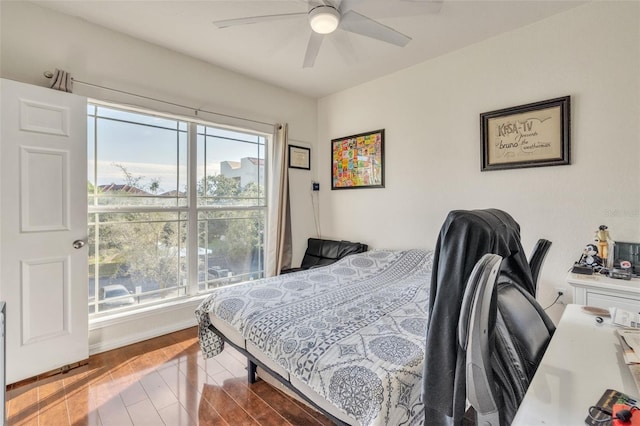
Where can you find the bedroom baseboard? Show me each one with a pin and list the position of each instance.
(121, 330)
(111, 344)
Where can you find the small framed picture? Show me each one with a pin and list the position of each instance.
(299, 157)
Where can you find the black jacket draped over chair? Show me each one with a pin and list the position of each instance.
(464, 238)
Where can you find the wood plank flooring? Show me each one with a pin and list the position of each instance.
(162, 381)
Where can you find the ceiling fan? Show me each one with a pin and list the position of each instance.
(324, 18)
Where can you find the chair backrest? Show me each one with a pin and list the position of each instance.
(464, 238)
(537, 259)
(473, 337)
(505, 333)
(523, 331)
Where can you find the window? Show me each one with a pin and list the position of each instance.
(152, 237)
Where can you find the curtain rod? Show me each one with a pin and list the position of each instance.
(49, 74)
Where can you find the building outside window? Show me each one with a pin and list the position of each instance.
(176, 207)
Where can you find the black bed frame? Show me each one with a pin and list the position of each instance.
(253, 364)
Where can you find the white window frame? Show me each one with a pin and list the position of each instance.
(191, 209)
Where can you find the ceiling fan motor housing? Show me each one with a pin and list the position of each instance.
(324, 19)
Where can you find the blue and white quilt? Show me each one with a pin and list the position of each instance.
(353, 331)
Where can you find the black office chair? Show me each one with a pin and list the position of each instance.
(505, 333)
(465, 236)
(537, 259)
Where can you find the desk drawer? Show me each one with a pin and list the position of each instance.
(608, 301)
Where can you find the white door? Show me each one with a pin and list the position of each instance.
(43, 211)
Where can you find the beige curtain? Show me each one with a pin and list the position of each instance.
(279, 218)
(61, 80)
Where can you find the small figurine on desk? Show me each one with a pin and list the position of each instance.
(605, 245)
(590, 257)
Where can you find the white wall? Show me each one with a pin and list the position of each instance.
(34, 39)
(432, 151)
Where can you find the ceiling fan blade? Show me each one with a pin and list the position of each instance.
(343, 44)
(315, 41)
(356, 23)
(346, 5)
(256, 19)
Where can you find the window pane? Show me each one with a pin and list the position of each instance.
(142, 253)
(141, 160)
(230, 168)
(230, 247)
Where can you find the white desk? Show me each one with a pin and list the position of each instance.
(582, 361)
(604, 292)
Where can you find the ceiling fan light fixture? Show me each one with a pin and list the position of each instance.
(324, 19)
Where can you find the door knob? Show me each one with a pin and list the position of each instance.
(78, 244)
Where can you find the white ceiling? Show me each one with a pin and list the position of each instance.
(273, 51)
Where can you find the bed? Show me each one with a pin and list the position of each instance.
(349, 337)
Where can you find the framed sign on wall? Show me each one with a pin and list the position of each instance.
(532, 135)
(299, 157)
(357, 161)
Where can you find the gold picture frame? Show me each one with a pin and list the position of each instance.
(531, 135)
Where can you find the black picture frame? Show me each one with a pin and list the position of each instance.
(532, 135)
(299, 157)
(357, 161)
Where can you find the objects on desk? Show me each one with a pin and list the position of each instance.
(620, 273)
(590, 257)
(593, 310)
(630, 343)
(624, 414)
(627, 252)
(618, 260)
(589, 261)
(612, 407)
(624, 318)
(605, 245)
(623, 270)
(581, 269)
(590, 264)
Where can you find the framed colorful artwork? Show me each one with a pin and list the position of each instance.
(357, 161)
(531, 135)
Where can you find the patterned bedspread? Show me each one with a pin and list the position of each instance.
(354, 331)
